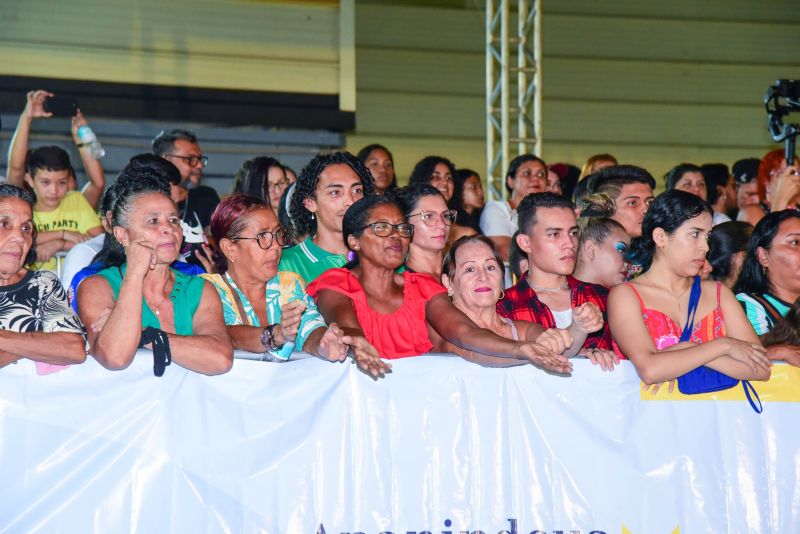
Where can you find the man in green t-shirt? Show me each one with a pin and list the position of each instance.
(326, 187)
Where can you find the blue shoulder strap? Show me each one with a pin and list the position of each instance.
(694, 299)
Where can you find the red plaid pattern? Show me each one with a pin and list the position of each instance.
(522, 304)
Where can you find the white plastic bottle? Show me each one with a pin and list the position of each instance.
(89, 139)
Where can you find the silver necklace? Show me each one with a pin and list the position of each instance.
(540, 289)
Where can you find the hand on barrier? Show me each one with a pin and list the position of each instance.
(606, 359)
(653, 388)
(555, 339)
(788, 353)
(545, 358)
(754, 355)
(291, 313)
(331, 347)
(366, 357)
(587, 317)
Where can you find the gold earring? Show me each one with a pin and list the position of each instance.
(502, 294)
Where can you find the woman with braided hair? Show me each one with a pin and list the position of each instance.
(138, 301)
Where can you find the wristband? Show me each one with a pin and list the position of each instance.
(268, 338)
(81, 145)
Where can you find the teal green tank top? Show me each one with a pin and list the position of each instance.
(185, 296)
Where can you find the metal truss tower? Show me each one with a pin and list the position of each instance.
(513, 86)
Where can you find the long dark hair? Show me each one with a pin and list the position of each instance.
(669, 211)
(725, 240)
(251, 178)
(754, 278)
(363, 156)
(457, 202)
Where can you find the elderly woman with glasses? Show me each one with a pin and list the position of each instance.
(266, 311)
(425, 207)
(395, 311)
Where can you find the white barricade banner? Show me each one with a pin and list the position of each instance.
(440, 446)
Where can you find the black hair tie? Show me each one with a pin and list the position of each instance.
(162, 356)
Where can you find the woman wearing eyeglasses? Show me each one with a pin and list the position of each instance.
(393, 311)
(424, 207)
(266, 311)
(263, 177)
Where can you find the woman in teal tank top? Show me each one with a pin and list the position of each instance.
(143, 302)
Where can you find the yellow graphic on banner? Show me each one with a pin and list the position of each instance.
(783, 386)
(626, 530)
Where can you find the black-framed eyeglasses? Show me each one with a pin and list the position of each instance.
(265, 239)
(192, 161)
(385, 229)
(429, 217)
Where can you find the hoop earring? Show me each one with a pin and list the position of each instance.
(502, 294)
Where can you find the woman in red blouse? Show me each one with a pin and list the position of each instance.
(392, 311)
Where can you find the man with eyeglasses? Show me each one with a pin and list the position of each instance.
(195, 202)
(326, 187)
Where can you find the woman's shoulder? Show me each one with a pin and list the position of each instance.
(338, 279)
(423, 284)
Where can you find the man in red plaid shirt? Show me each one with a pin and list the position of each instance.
(548, 294)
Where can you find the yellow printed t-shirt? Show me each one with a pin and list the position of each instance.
(74, 214)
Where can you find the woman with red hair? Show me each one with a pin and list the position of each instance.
(267, 311)
(778, 187)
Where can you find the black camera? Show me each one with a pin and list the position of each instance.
(782, 99)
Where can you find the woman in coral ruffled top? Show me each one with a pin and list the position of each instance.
(393, 311)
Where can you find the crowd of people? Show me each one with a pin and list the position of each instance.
(340, 261)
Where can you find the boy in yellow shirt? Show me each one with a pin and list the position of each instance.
(63, 218)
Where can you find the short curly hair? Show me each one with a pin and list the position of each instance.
(306, 187)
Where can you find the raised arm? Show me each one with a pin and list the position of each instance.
(654, 366)
(18, 151)
(93, 190)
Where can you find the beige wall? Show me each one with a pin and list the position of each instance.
(653, 83)
(230, 44)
